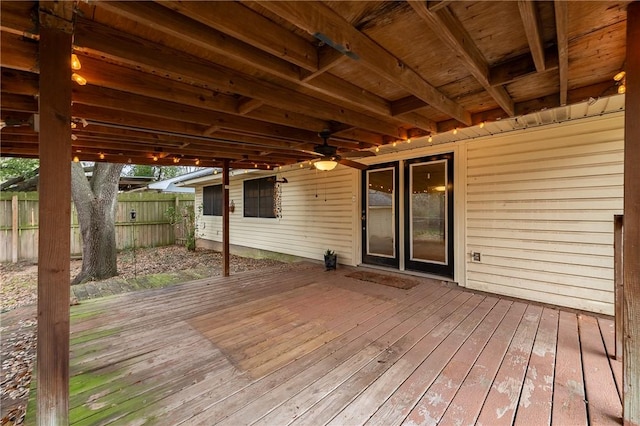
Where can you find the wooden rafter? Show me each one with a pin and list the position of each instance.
(562, 22)
(531, 23)
(204, 20)
(449, 29)
(325, 24)
(136, 52)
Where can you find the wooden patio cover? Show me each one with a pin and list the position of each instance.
(250, 85)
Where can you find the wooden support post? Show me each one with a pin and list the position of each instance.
(225, 218)
(15, 223)
(631, 237)
(54, 245)
(618, 282)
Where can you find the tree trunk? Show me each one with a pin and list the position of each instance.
(95, 202)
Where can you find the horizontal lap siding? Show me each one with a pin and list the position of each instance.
(317, 214)
(539, 209)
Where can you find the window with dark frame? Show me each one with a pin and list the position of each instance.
(212, 200)
(258, 197)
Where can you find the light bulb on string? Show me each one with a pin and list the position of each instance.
(75, 62)
(78, 79)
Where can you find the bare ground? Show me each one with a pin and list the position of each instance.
(18, 297)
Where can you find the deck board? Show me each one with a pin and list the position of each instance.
(307, 347)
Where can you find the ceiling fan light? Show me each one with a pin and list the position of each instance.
(326, 164)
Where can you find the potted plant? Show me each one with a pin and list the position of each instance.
(330, 259)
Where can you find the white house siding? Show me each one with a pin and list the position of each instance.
(318, 213)
(539, 209)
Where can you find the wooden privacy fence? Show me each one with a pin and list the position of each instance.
(19, 223)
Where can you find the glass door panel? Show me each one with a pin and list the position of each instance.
(379, 216)
(428, 213)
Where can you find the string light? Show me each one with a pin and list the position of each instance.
(73, 125)
(101, 156)
(76, 159)
(377, 149)
(301, 166)
(621, 81)
(455, 131)
(176, 160)
(75, 62)
(155, 158)
(395, 143)
(430, 139)
(78, 79)
(409, 140)
(482, 125)
(197, 161)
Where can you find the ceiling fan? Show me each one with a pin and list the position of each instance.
(329, 157)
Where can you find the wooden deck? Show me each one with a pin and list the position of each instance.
(308, 347)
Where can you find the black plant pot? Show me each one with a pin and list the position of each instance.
(330, 261)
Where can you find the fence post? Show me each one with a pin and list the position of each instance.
(15, 223)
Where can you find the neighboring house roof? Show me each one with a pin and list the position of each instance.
(175, 184)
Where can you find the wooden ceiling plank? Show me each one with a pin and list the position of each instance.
(176, 25)
(19, 82)
(23, 103)
(244, 24)
(326, 25)
(451, 31)
(562, 28)
(135, 52)
(531, 23)
(122, 101)
(124, 79)
(18, 53)
(222, 140)
(520, 67)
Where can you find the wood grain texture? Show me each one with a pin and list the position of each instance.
(55, 221)
(301, 346)
(631, 238)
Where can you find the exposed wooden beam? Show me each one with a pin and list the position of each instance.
(18, 82)
(54, 244)
(122, 101)
(520, 67)
(247, 105)
(436, 5)
(137, 52)
(407, 104)
(451, 31)
(326, 25)
(13, 102)
(244, 24)
(531, 23)
(192, 31)
(18, 54)
(328, 57)
(562, 23)
(631, 237)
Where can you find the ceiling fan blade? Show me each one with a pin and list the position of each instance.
(353, 164)
(357, 154)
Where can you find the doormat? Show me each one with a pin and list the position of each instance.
(389, 280)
